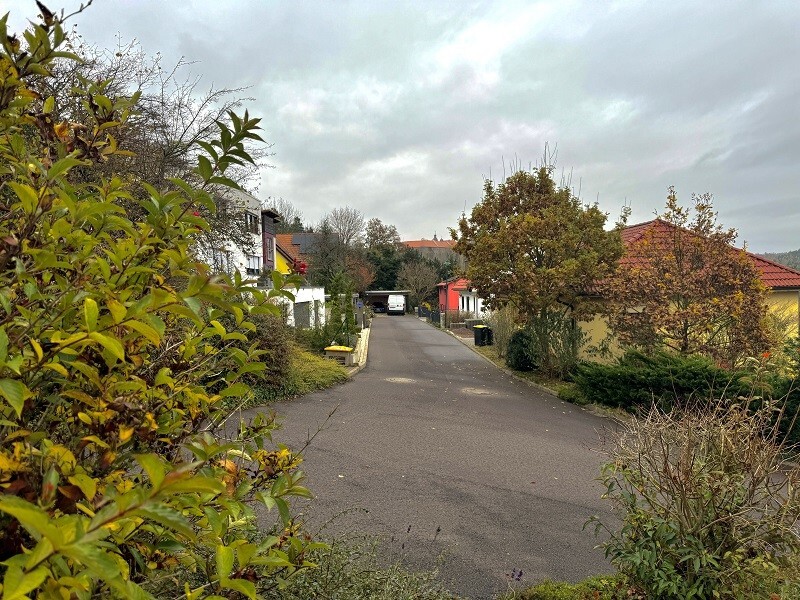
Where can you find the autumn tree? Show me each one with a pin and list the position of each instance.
(683, 286)
(420, 278)
(532, 244)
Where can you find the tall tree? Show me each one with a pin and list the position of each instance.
(348, 223)
(682, 285)
(420, 277)
(291, 216)
(380, 235)
(533, 245)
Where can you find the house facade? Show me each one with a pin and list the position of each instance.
(456, 296)
(308, 308)
(436, 249)
(260, 255)
(783, 297)
(266, 255)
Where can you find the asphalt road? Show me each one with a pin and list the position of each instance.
(452, 463)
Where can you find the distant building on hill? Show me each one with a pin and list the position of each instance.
(436, 249)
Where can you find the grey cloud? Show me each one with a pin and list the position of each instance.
(401, 109)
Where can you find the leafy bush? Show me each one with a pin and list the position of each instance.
(521, 354)
(115, 363)
(307, 372)
(503, 322)
(569, 392)
(709, 505)
(548, 344)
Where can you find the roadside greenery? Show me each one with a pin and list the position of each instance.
(307, 372)
(708, 501)
(115, 363)
(604, 587)
(349, 569)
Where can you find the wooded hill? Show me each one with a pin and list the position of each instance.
(790, 259)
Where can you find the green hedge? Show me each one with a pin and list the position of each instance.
(521, 355)
(637, 380)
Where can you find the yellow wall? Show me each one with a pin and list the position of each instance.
(783, 305)
(282, 263)
(596, 330)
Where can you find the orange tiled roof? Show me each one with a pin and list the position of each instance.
(284, 241)
(773, 275)
(430, 243)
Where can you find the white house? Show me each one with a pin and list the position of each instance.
(470, 302)
(308, 308)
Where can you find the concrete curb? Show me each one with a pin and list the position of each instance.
(361, 353)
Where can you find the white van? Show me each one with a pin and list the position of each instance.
(396, 304)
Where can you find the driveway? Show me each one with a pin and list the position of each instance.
(453, 463)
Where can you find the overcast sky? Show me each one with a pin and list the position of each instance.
(400, 109)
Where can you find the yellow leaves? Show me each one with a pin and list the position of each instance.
(13, 462)
(117, 310)
(231, 476)
(62, 130)
(86, 484)
(125, 433)
(63, 459)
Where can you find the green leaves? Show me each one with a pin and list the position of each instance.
(14, 392)
(117, 348)
(90, 312)
(17, 584)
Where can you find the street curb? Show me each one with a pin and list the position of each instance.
(539, 387)
(362, 354)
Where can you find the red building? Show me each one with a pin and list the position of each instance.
(449, 293)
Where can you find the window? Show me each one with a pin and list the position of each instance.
(252, 223)
(253, 264)
(270, 250)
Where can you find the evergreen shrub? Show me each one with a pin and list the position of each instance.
(521, 354)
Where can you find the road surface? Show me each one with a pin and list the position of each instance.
(452, 463)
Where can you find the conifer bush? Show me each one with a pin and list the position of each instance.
(114, 363)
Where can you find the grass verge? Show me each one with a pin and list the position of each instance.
(490, 352)
(350, 570)
(603, 587)
(565, 390)
(308, 372)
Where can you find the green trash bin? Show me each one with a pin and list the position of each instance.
(480, 334)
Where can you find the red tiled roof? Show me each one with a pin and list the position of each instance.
(456, 283)
(773, 275)
(430, 243)
(284, 242)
